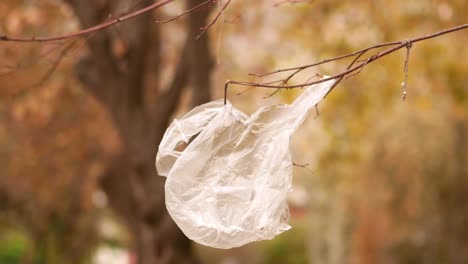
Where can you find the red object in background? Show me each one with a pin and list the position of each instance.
(132, 257)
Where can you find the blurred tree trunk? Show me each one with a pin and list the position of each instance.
(119, 82)
(455, 208)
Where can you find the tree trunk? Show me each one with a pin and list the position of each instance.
(456, 208)
(133, 188)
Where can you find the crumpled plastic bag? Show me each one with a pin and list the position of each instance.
(229, 186)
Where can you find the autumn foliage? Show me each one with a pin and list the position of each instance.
(80, 121)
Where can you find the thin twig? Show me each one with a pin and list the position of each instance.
(304, 166)
(359, 71)
(88, 30)
(22, 65)
(245, 90)
(350, 69)
(185, 12)
(405, 81)
(56, 63)
(205, 28)
(286, 80)
(248, 88)
(291, 76)
(303, 67)
(272, 94)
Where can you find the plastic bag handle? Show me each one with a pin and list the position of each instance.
(183, 130)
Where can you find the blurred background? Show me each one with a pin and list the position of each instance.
(80, 122)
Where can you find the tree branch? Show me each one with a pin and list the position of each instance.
(350, 69)
(90, 29)
(100, 64)
(186, 12)
(220, 12)
(56, 63)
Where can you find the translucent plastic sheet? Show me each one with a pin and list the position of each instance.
(230, 184)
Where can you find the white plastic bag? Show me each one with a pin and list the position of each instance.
(229, 186)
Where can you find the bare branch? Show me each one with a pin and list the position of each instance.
(56, 63)
(350, 69)
(304, 166)
(91, 29)
(11, 68)
(303, 67)
(205, 28)
(186, 12)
